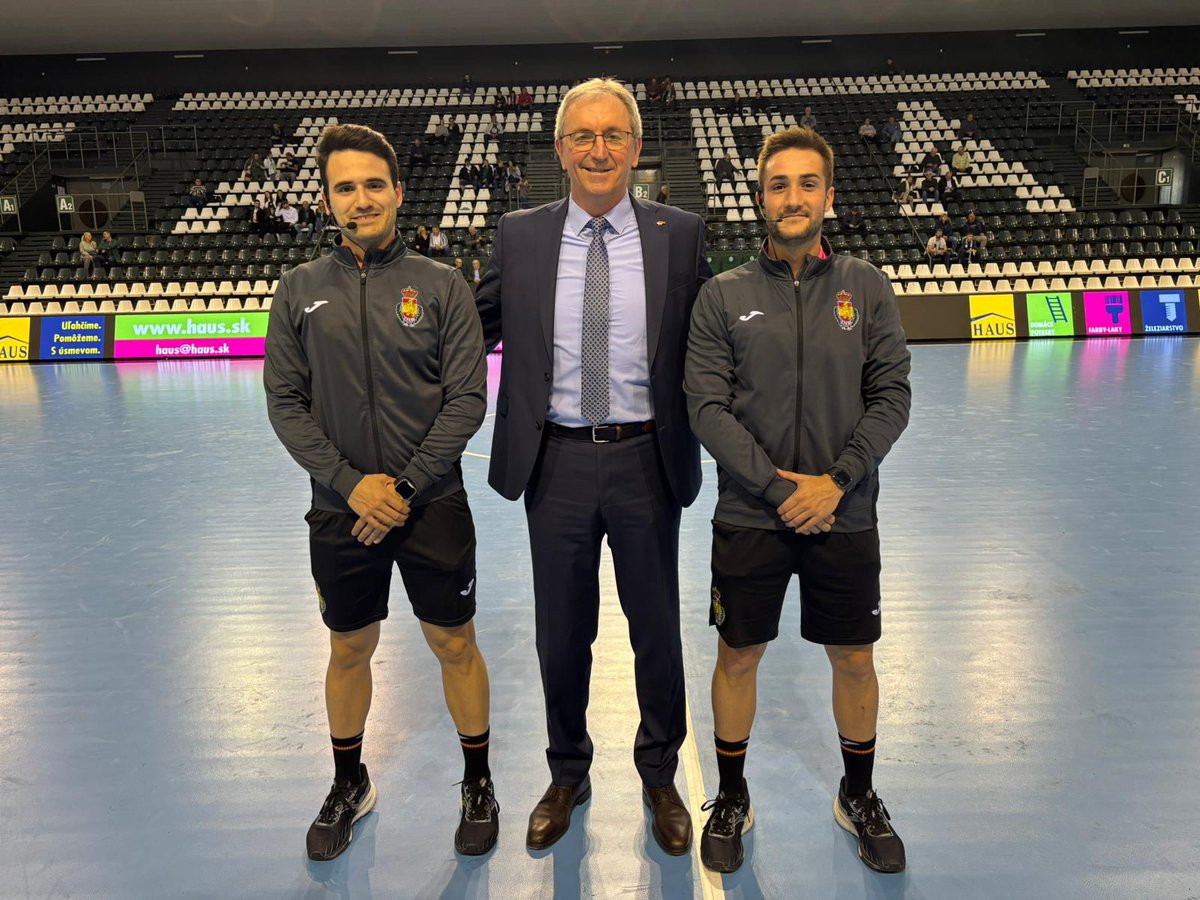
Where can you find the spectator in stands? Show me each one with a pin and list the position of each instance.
(867, 131)
(288, 168)
(454, 131)
(512, 176)
(87, 252)
(735, 105)
(268, 167)
(855, 223)
(306, 220)
(420, 243)
(937, 249)
(667, 90)
(523, 193)
(197, 193)
(418, 154)
(465, 177)
(653, 91)
(723, 170)
(942, 223)
(890, 134)
(439, 244)
(494, 128)
(473, 242)
(892, 69)
(441, 131)
(467, 85)
(960, 162)
(975, 232)
(476, 274)
(524, 99)
(276, 133)
(907, 189)
(930, 185)
(808, 120)
(489, 175)
(321, 214)
(260, 218)
(932, 159)
(968, 129)
(106, 253)
(476, 175)
(664, 194)
(458, 267)
(948, 187)
(289, 217)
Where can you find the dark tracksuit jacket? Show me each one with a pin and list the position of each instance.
(797, 375)
(378, 370)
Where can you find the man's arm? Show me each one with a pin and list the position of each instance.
(464, 390)
(287, 380)
(886, 392)
(487, 297)
(708, 383)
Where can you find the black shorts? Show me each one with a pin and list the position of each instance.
(434, 550)
(839, 584)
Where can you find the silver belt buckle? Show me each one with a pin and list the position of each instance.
(596, 440)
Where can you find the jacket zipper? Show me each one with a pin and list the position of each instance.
(362, 303)
(799, 371)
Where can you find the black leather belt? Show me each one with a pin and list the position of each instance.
(601, 434)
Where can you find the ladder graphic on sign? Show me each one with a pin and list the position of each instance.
(1054, 303)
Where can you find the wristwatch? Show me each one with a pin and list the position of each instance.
(406, 489)
(841, 478)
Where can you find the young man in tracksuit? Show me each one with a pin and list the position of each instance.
(797, 383)
(376, 379)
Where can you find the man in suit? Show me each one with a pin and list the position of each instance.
(592, 297)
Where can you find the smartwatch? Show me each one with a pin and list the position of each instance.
(406, 489)
(841, 478)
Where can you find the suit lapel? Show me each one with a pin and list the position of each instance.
(653, 230)
(547, 251)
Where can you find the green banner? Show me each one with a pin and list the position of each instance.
(1050, 315)
(186, 325)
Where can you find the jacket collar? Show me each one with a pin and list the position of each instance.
(373, 258)
(813, 266)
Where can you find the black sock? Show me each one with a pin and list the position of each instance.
(859, 759)
(475, 755)
(731, 764)
(347, 756)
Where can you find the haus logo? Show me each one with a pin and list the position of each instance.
(993, 317)
(14, 340)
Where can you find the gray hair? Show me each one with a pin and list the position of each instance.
(594, 88)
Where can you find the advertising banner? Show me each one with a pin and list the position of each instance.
(71, 338)
(14, 340)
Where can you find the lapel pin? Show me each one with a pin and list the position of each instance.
(660, 222)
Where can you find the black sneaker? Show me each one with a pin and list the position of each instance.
(878, 845)
(721, 842)
(331, 831)
(480, 823)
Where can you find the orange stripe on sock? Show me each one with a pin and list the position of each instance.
(350, 747)
(477, 746)
(859, 752)
(741, 752)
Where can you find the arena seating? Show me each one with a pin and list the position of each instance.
(210, 257)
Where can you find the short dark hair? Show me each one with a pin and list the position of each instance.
(796, 139)
(355, 137)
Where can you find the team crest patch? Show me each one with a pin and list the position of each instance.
(847, 314)
(409, 310)
(320, 600)
(717, 609)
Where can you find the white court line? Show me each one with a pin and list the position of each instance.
(711, 885)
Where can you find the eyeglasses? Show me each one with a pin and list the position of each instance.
(585, 140)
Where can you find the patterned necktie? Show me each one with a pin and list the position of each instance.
(593, 381)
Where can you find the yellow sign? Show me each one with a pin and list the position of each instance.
(993, 317)
(14, 340)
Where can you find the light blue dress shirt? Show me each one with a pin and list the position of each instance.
(628, 358)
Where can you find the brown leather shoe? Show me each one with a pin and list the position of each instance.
(672, 823)
(551, 818)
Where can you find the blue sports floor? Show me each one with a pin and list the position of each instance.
(162, 727)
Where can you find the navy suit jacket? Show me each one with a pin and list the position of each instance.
(516, 303)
